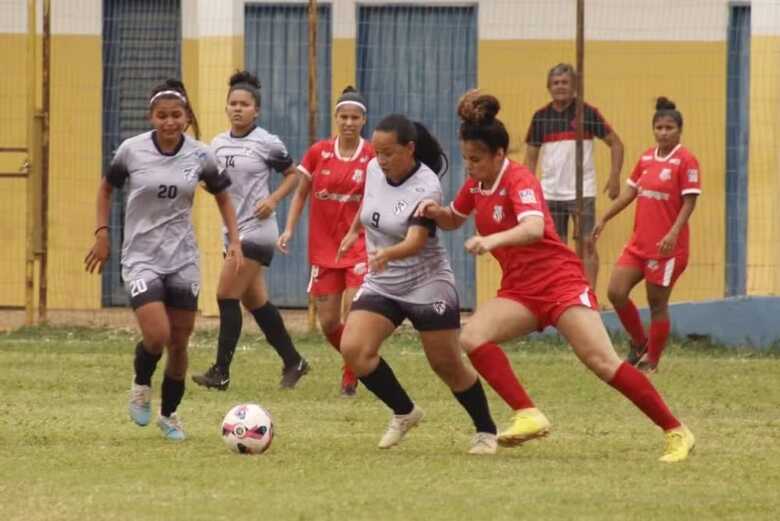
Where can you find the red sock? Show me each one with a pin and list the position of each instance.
(491, 363)
(636, 387)
(334, 337)
(629, 317)
(659, 332)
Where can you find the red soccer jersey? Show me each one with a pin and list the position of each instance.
(661, 183)
(517, 194)
(336, 194)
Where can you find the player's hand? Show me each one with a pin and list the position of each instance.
(667, 244)
(596, 233)
(283, 240)
(478, 244)
(235, 255)
(427, 208)
(99, 253)
(265, 208)
(612, 189)
(377, 261)
(346, 244)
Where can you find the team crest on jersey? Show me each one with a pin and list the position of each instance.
(693, 175)
(357, 176)
(527, 196)
(189, 174)
(439, 307)
(652, 264)
(665, 174)
(498, 213)
(400, 206)
(195, 288)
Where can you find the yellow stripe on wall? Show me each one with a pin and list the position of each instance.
(622, 80)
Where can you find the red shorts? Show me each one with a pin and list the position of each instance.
(332, 281)
(549, 307)
(661, 272)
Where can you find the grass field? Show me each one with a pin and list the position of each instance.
(69, 452)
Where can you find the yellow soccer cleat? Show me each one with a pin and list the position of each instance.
(679, 443)
(527, 425)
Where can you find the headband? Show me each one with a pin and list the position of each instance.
(351, 102)
(173, 93)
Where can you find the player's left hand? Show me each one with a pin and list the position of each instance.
(265, 208)
(612, 189)
(667, 244)
(377, 261)
(235, 255)
(478, 244)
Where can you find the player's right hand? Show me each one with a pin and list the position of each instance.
(594, 235)
(427, 208)
(346, 244)
(283, 241)
(99, 253)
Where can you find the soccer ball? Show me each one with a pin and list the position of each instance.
(248, 429)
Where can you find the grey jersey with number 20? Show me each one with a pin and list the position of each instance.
(386, 215)
(159, 188)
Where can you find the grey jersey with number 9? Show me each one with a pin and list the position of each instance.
(159, 189)
(386, 214)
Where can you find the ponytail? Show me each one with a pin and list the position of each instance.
(427, 148)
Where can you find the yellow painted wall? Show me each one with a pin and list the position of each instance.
(622, 80)
(75, 168)
(13, 133)
(764, 166)
(343, 68)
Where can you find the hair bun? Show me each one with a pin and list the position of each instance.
(244, 77)
(174, 84)
(348, 89)
(664, 103)
(477, 108)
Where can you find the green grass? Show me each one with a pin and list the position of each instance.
(69, 452)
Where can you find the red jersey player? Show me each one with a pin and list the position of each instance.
(543, 282)
(333, 171)
(666, 182)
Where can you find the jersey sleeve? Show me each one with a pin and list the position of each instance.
(310, 160)
(463, 204)
(118, 171)
(214, 179)
(535, 135)
(431, 191)
(636, 173)
(278, 157)
(690, 177)
(526, 198)
(595, 124)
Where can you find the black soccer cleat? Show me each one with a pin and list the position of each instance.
(636, 352)
(214, 378)
(291, 375)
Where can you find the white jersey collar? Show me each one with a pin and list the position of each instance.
(666, 157)
(354, 156)
(497, 182)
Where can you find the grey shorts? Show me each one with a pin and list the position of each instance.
(259, 243)
(562, 210)
(441, 314)
(176, 290)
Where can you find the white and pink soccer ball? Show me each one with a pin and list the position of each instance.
(248, 429)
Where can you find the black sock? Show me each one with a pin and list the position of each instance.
(172, 391)
(475, 402)
(145, 363)
(383, 383)
(229, 331)
(270, 322)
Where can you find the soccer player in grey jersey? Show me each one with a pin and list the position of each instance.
(160, 171)
(249, 154)
(409, 277)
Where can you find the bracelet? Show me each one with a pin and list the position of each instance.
(104, 227)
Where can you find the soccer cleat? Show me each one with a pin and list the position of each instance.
(679, 444)
(400, 424)
(647, 366)
(291, 375)
(214, 378)
(636, 352)
(349, 383)
(484, 443)
(140, 405)
(171, 427)
(527, 425)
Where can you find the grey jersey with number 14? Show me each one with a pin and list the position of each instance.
(386, 214)
(159, 192)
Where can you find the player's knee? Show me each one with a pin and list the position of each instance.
(471, 338)
(156, 340)
(617, 296)
(329, 323)
(603, 363)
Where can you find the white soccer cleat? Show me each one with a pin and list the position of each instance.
(171, 427)
(140, 405)
(399, 426)
(484, 443)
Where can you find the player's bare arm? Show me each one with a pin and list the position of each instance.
(616, 150)
(294, 213)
